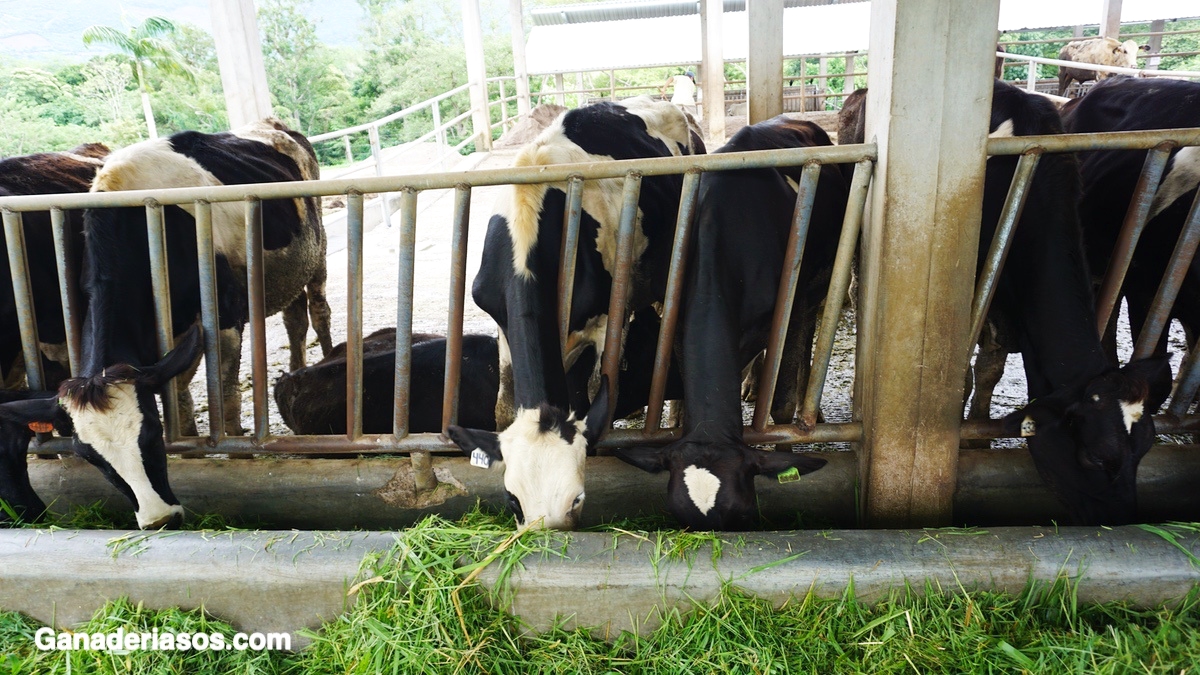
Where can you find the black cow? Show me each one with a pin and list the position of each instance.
(734, 267)
(544, 448)
(1088, 422)
(118, 327)
(43, 173)
(20, 502)
(1109, 177)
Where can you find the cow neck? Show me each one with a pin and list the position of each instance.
(532, 334)
(117, 327)
(711, 372)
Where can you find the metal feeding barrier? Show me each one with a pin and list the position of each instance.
(573, 176)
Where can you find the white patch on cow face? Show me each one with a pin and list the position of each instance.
(1131, 411)
(544, 472)
(1005, 130)
(1182, 178)
(113, 434)
(702, 487)
(1028, 427)
(154, 164)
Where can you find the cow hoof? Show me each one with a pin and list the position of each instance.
(171, 522)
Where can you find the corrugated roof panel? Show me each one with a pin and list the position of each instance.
(625, 11)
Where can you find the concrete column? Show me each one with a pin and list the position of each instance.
(1110, 19)
(1078, 32)
(714, 72)
(764, 63)
(931, 84)
(559, 87)
(477, 73)
(516, 19)
(848, 80)
(822, 81)
(239, 55)
(1156, 26)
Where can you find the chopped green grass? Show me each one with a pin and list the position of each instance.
(407, 620)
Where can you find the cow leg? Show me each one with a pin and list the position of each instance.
(319, 312)
(295, 319)
(793, 369)
(505, 410)
(988, 369)
(231, 365)
(1064, 81)
(750, 378)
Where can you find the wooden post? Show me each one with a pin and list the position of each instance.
(714, 73)
(1110, 20)
(1156, 26)
(240, 59)
(516, 20)
(764, 67)
(481, 117)
(931, 84)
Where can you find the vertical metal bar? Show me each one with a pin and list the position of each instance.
(503, 104)
(620, 285)
(673, 297)
(440, 132)
(458, 294)
(404, 313)
(1031, 85)
(354, 310)
(839, 285)
(258, 316)
(68, 288)
(14, 233)
(349, 150)
(1131, 231)
(385, 202)
(156, 238)
(210, 321)
(1168, 289)
(569, 257)
(785, 297)
(612, 85)
(1187, 384)
(1010, 215)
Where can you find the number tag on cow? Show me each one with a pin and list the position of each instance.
(480, 458)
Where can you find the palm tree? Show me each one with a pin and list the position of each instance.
(144, 46)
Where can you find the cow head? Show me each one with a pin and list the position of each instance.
(543, 451)
(712, 486)
(117, 428)
(1087, 441)
(22, 412)
(1126, 53)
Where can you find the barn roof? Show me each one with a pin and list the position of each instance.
(600, 36)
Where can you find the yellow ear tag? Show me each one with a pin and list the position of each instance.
(790, 476)
(41, 427)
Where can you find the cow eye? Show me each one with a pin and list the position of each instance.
(514, 505)
(578, 501)
(1096, 398)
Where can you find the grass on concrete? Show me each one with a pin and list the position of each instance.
(415, 615)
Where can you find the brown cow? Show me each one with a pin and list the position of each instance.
(1103, 51)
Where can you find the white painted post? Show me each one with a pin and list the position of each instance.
(764, 67)
(931, 83)
(822, 81)
(1110, 20)
(503, 105)
(349, 150)
(612, 85)
(559, 88)
(481, 118)
(516, 20)
(848, 78)
(441, 133)
(1078, 32)
(1031, 85)
(240, 59)
(385, 203)
(1155, 44)
(714, 73)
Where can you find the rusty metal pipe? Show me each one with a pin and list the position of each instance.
(785, 296)
(209, 320)
(1010, 215)
(258, 317)
(1131, 231)
(1115, 140)
(1186, 385)
(404, 300)
(568, 258)
(68, 289)
(458, 294)
(14, 233)
(1168, 288)
(839, 285)
(673, 299)
(156, 238)
(354, 311)
(621, 286)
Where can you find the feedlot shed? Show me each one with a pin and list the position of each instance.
(924, 164)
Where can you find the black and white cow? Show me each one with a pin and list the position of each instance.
(544, 447)
(43, 173)
(118, 327)
(1109, 177)
(109, 414)
(1088, 422)
(734, 266)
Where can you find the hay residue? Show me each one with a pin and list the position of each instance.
(401, 490)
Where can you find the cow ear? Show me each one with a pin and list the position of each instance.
(596, 421)
(185, 353)
(772, 464)
(651, 460)
(32, 411)
(469, 440)
(1156, 372)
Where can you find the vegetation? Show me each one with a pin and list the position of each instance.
(407, 620)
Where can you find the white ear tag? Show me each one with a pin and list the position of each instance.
(1028, 427)
(480, 458)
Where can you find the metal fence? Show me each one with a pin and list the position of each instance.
(691, 167)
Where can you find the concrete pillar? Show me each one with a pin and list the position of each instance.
(559, 88)
(822, 81)
(239, 55)
(848, 80)
(714, 72)
(931, 84)
(1110, 19)
(1156, 26)
(516, 19)
(764, 63)
(477, 73)
(1078, 32)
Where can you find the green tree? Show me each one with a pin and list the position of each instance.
(144, 46)
(308, 88)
